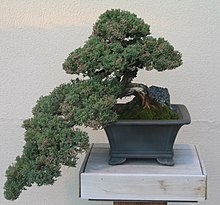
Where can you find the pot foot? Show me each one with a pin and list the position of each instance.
(166, 161)
(116, 160)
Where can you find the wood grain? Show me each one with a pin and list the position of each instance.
(143, 179)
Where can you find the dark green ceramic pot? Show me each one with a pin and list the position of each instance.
(145, 138)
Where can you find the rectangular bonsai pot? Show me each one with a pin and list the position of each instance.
(145, 138)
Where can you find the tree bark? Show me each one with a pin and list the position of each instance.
(133, 89)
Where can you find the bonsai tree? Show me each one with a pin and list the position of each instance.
(119, 46)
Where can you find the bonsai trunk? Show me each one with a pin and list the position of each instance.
(140, 91)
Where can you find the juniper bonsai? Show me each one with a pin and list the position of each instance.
(119, 46)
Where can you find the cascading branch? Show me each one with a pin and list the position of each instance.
(110, 59)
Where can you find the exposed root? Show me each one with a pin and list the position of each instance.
(145, 102)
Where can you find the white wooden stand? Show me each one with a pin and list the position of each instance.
(143, 181)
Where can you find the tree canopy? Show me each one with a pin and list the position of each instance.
(110, 59)
(119, 46)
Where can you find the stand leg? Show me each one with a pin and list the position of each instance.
(116, 160)
(166, 161)
(140, 203)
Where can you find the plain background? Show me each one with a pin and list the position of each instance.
(36, 37)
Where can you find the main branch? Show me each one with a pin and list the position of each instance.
(140, 91)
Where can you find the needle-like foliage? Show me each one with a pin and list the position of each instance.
(110, 59)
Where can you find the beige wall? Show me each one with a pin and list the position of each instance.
(36, 37)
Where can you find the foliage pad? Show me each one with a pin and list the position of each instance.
(118, 47)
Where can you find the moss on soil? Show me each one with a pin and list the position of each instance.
(129, 112)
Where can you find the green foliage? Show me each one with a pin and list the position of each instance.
(117, 25)
(119, 46)
(90, 102)
(128, 112)
(50, 142)
(54, 139)
(51, 104)
(99, 56)
(15, 180)
(51, 139)
(162, 54)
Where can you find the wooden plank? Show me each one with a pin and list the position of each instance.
(203, 171)
(144, 179)
(128, 187)
(186, 161)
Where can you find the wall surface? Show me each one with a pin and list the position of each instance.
(36, 37)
